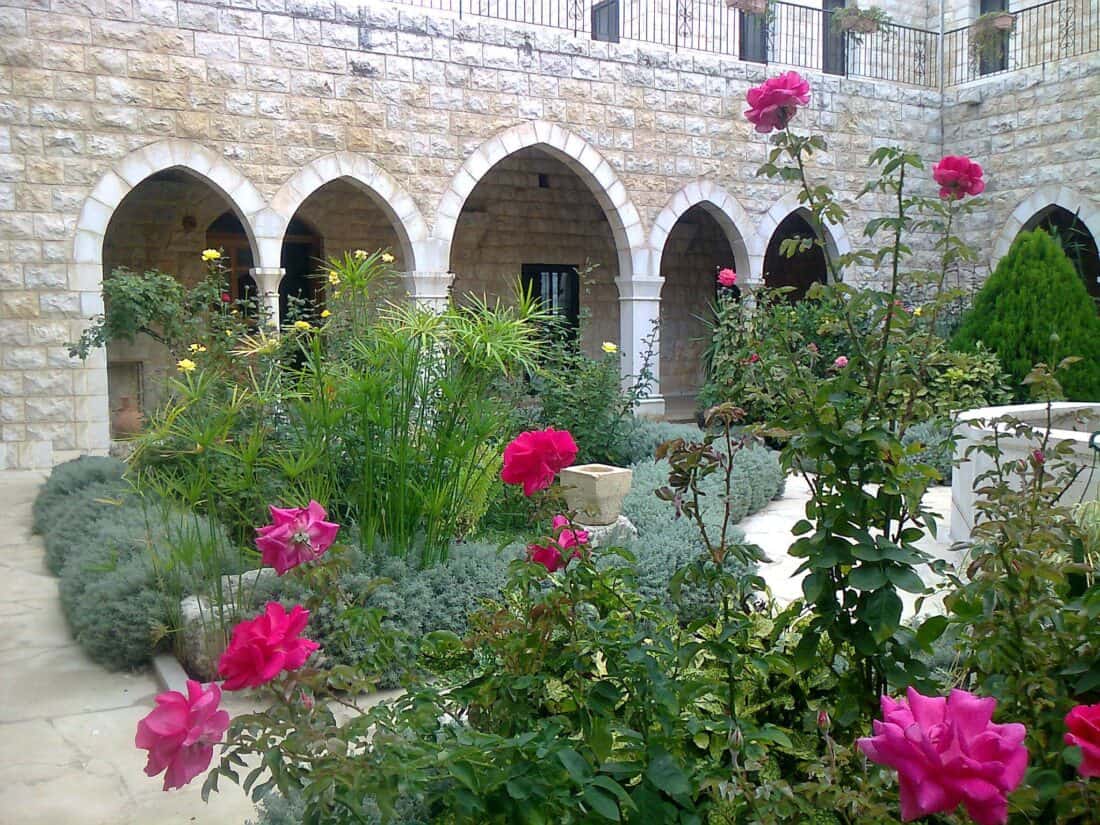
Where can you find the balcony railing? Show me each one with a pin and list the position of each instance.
(1039, 34)
(788, 35)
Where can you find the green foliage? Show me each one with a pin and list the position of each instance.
(72, 518)
(276, 809)
(67, 478)
(1033, 308)
(646, 435)
(387, 415)
(968, 381)
(933, 445)
(1026, 613)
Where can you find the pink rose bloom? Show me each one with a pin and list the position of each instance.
(754, 358)
(948, 752)
(180, 733)
(555, 556)
(727, 277)
(773, 103)
(262, 648)
(812, 347)
(1083, 724)
(841, 362)
(299, 534)
(1039, 456)
(535, 457)
(958, 176)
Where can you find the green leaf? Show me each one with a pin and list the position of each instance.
(932, 628)
(905, 579)
(805, 654)
(601, 802)
(882, 613)
(665, 774)
(867, 577)
(575, 765)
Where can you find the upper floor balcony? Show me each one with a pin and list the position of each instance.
(805, 37)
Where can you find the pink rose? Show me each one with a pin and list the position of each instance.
(554, 555)
(773, 103)
(262, 648)
(812, 347)
(948, 752)
(535, 457)
(841, 362)
(299, 534)
(727, 277)
(180, 733)
(1083, 724)
(1039, 456)
(958, 176)
(226, 297)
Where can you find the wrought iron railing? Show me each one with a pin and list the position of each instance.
(1039, 34)
(788, 34)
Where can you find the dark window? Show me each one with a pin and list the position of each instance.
(833, 43)
(605, 21)
(301, 251)
(558, 287)
(754, 37)
(995, 60)
(800, 271)
(227, 234)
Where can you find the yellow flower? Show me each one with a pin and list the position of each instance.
(197, 348)
(608, 347)
(387, 258)
(325, 313)
(185, 365)
(304, 326)
(918, 311)
(334, 279)
(211, 255)
(229, 333)
(360, 254)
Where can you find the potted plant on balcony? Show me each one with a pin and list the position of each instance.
(987, 35)
(857, 21)
(749, 6)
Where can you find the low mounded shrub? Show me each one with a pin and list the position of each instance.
(72, 519)
(69, 477)
(937, 447)
(646, 435)
(275, 809)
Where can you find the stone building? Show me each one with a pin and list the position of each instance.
(479, 141)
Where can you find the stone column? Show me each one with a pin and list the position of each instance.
(639, 316)
(431, 290)
(268, 279)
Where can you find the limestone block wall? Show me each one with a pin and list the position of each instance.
(269, 100)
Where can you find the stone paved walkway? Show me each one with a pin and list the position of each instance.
(67, 754)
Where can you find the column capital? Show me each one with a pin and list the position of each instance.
(267, 272)
(431, 289)
(640, 288)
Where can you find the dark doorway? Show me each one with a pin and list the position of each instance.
(227, 234)
(799, 272)
(995, 60)
(834, 45)
(301, 251)
(557, 286)
(1076, 241)
(605, 21)
(753, 30)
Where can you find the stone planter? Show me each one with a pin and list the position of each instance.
(595, 491)
(201, 638)
(1070, 421)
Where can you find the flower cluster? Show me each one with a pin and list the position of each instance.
(533, 458)
(297, 535)
(948, 752)
(555, 555)
(775, 102)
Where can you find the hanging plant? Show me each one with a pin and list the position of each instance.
(987, 35)
(749, 6)
(860, 21)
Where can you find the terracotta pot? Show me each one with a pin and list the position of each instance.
(127, 420)
(748, 6)
(1004, 22)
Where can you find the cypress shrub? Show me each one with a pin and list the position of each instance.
(1033, 308)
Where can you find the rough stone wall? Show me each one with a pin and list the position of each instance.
(1037, 136)
(696, 248)
(510, 220)
(347, 220)
(268, 97)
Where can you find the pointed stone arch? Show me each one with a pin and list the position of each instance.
(738, 227)
(208, 166)
(577, 154)
(1069, 199)
(836, 237)
(376, 183)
